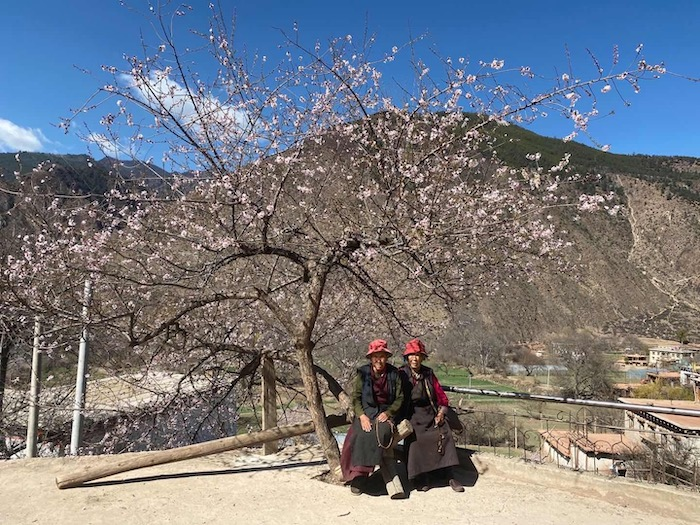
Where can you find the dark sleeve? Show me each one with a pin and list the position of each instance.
(397, 406)
(406, 388)
(357, 395)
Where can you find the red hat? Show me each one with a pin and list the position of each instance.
(415, 346)
(378, 346)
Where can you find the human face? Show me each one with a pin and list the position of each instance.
(414, 361)
(378, 362)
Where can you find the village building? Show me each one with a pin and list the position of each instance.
(666, 378)
(624, 389)
(659, 429)
(690, 376)
(635, 359)
(660, 356)
(593, 452)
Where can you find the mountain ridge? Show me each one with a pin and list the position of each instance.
(633, 273)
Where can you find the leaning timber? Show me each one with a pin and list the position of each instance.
(159, 457)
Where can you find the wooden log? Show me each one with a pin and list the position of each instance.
(160, 457)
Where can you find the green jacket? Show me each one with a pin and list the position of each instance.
(363, 401)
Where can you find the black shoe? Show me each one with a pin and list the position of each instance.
(456, 485)
(422, 483)
(355, 487)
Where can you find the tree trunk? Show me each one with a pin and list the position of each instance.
(343, 398)
(302, 335)
(318, 414)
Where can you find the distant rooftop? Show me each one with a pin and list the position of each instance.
(691, 423)
(591, 443)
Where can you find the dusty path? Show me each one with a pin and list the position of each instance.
(242, 487)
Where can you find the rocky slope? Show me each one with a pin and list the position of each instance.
(636, 273)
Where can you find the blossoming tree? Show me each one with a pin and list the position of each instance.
(312, 198)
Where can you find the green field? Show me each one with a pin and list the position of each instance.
(460, 377)
(529, 416)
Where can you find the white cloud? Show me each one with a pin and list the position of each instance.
(16, 138)
(161, 92)
(109, 147)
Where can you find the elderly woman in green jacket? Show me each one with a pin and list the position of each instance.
(378, 400)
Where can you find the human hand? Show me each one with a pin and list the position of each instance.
(365, 423)
(439, 418)
(383, 417)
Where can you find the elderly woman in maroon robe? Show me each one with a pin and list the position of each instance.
(378, 401)
(431, 449)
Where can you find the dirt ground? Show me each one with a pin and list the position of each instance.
(247, 488)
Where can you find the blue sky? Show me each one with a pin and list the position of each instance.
(51, 52)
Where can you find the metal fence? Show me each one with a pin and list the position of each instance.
(597, 438)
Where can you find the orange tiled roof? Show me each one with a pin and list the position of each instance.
(607, 443)
(665, 375)
(559, 439)
(684, 422)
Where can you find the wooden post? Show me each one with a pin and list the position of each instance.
(33, 421)
(269, 401)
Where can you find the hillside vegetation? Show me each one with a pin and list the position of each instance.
(629, 273)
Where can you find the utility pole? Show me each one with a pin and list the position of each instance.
(33, 421)
(269, 401)
(81, 376)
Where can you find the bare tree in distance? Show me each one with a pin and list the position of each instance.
(312, 198)
(528, 359)
(587, 367)
(632, 343)
(470, 342)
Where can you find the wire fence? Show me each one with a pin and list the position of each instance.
(127, 413)
(586, 440)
